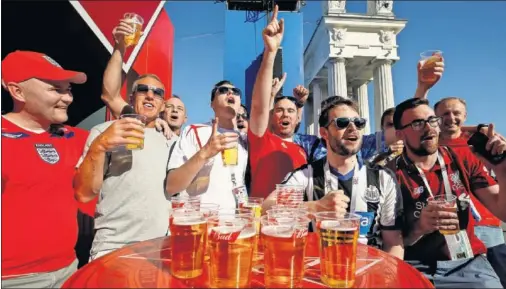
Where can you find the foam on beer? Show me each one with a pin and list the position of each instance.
(335, 226)
(188, 220)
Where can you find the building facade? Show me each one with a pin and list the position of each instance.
(346, 52)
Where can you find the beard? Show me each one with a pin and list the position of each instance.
(424, 148)
(338, 147)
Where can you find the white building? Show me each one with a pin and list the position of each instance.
(346, 52)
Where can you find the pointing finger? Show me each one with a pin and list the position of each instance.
(275, 13)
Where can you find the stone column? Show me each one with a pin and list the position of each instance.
(363, 105)
(317, 100)
(337, 77)
(383, 90)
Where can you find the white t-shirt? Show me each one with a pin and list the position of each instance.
(214, 181)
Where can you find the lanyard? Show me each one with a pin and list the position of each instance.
(359, 185)
(444, 173)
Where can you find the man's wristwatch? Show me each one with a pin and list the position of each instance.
(299, 104)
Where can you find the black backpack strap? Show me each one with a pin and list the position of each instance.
(318, 179)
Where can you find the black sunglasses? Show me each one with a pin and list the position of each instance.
(225, 90)
(144, 88)
(419, 124)
(344, 122)
(242, 115)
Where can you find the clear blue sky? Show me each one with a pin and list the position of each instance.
(471, 35)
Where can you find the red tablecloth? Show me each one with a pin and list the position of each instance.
(147, 265)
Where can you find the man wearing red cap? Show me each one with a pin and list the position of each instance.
(39, 155)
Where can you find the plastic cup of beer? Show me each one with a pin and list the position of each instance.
(338, 236)
(284, 249)
(178, 201)
(188, 239)
(141, 143)
(429, 59)
(136, 22)
(289, 195)
(230, 156)
(231, 241)
(448, 204)
(255, 205)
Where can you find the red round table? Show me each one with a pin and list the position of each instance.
(147, 265)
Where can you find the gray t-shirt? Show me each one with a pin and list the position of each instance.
(132, 205)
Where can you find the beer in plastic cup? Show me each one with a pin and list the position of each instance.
(448, 204)
(289, 194)
(232, 240)
(429, 58)
(338, 236)
(136, 22)
(284, 248)
(188, 239)
(230, 156)
(143, 120)
(255, 205)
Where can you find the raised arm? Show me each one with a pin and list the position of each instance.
(111, 85)
(90, 173)
(260, 102)
(423, 86)
(182, 173)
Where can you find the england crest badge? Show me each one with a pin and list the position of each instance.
(47, 153)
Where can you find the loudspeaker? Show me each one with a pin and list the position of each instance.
(247, 5)
(288, 5)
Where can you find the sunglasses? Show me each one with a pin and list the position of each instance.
(242, 115)
(144, 88)
(224, 90)
(344, 122)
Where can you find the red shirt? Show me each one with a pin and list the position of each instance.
(487, 218)
(39, 211)
(271, 159)
(466, 174)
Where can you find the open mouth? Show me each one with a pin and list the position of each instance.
(174, 117)
(231, 100)
(284, 124)
(352, 138)
(428, 138)
(240, 125)
(148, 105)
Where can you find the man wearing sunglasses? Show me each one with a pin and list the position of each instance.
(428, 170)
(242, 119)
(132, 205)
(341, 182)
(196, 164)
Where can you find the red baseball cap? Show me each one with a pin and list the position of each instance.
(20, 65)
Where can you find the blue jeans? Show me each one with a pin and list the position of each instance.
(490, 236)
(471, 273)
